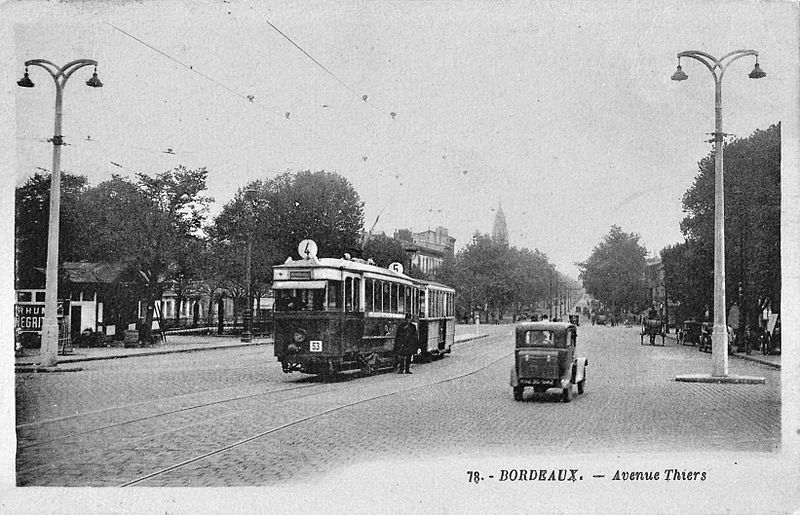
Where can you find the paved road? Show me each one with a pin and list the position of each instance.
(230, 417)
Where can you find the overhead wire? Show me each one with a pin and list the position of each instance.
(181, 63)
(363, 97)
(250, 98)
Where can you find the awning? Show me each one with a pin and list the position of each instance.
(298, 285)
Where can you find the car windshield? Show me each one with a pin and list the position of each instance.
(539, 339)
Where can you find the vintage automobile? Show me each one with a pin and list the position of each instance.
(545, 358)
(575, 319)
(600, 320)
(689, 333)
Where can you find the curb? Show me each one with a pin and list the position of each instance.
(27, 367)
(36, 369)
(470, 338)
(33, 368)
(757, 360)
(747, 358)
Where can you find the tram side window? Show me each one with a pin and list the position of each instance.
(386, 302)
(401, 303)
(356, 294)
(421, 304)
(368, 287)
(334, 295)
(394, 293)
(348, 294)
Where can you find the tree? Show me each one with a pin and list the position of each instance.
(384, 251)
(322, 206)
(279, 213)
(32, 211)
(190, 251)
(484, 277)
(752, 223)
(530, 278)
(145, 224)
(688, 277)
(614, 272)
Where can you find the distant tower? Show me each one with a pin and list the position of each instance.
(500, 229)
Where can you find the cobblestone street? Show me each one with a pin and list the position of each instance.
(230, 417)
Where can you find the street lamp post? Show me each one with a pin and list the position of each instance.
(49, 346)
(247, 335)
(719, 338)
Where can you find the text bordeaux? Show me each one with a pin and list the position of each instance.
(538, 475)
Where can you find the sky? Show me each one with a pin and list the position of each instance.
(563, 113)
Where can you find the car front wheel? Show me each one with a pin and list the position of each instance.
(518, 392)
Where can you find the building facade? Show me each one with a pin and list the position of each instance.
(427, 250)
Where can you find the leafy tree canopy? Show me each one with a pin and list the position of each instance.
(32, 211)
(752, 193)
(384, 251)
(614, 272)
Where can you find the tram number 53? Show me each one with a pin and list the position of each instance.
(315, 346)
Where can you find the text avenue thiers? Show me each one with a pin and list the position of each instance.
(562, 475)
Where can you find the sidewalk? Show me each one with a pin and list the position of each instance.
(174, 344)
(770, 360)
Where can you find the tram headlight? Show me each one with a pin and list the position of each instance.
(299, 336)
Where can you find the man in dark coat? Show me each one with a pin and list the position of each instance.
(405, 344)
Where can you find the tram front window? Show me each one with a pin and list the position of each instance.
(300, 299)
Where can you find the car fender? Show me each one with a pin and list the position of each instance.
(580, 369)
(514, 381)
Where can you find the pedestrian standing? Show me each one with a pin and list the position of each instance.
(405, 344)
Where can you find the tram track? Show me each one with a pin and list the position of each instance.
(144, 418)
(111, 409)
(150, 436)
(307, 418)
(180, 431)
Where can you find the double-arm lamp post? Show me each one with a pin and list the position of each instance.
(49, 346)
(719, 338)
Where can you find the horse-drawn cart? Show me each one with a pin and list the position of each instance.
(653, 327)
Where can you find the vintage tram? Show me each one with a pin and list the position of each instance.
(338, 314)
